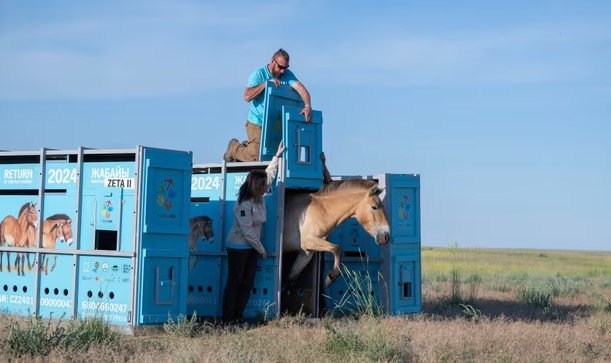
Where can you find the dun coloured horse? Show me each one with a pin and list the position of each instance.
(19, 232)
(199, 227)
(57, 226)
(309, 218)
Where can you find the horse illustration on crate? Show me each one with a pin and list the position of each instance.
(19, 232)
(199, 227)
(56, 227)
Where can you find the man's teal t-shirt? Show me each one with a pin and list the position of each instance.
(255, 115)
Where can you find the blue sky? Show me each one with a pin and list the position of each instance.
(503, 107)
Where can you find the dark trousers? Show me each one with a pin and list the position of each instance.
(242, 266)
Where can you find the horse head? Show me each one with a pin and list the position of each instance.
(29, 212)
(371, 215)
(200, 227)
(208, 232)
(57, 231)
(66, 230)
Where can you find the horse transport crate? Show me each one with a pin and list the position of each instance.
(214, 191)
(394, 269)
(95, 233)
(136, 236)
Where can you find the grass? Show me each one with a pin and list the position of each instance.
(503, 262)
(183, 326)
(501, 318)
(359, 298)
(37, 336)
(365, 339)
(537, 295)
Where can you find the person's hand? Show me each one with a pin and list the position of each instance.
(307, 111)
(264, 254)
(323, 158)
(281, 149)
(276, 82)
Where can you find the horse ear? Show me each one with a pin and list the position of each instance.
(375, 190)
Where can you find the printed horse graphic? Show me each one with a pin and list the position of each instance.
(19, 232)
(309, 218)
(199, 227)
(57, 226)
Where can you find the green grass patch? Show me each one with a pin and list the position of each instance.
(347, 341)
(360, 298)
(36, 336)
(182, 326)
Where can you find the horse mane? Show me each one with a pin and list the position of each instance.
(58, 216)
(346, 185)
(55, 226)
(24, 207)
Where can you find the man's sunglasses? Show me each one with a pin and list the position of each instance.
(280, 66)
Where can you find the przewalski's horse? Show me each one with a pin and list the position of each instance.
(19, 232)
(199, 227)
(57, 226)
(309, 218)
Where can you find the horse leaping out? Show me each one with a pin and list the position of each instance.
(309, 218)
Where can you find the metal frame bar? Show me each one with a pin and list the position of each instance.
(70, 252)
(139, 173)
(53, 152)
(119, 223)
(227, 165)
(219, 292)
(41, 197)
(279, 235)
(95, 221)
(77, 221)
(386, 264)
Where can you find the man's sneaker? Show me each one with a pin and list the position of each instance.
(231, 147)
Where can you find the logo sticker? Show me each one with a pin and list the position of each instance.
(404, 207)
(166, 194)
(106, 209)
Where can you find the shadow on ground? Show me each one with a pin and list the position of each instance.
(513, 310)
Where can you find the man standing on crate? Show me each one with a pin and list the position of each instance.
(276, 71)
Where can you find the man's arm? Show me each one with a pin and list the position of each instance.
(305, 97)
(252, 92)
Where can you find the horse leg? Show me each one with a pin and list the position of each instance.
(192, 261)
(313, 243)
(8, 261)
(54, 262)
(17, 263)
(1, 253)
(29, 264)
(302, 260)
(22, 263)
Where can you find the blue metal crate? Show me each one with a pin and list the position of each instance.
(122, 217)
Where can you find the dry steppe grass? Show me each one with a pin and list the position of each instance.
(484, 323)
